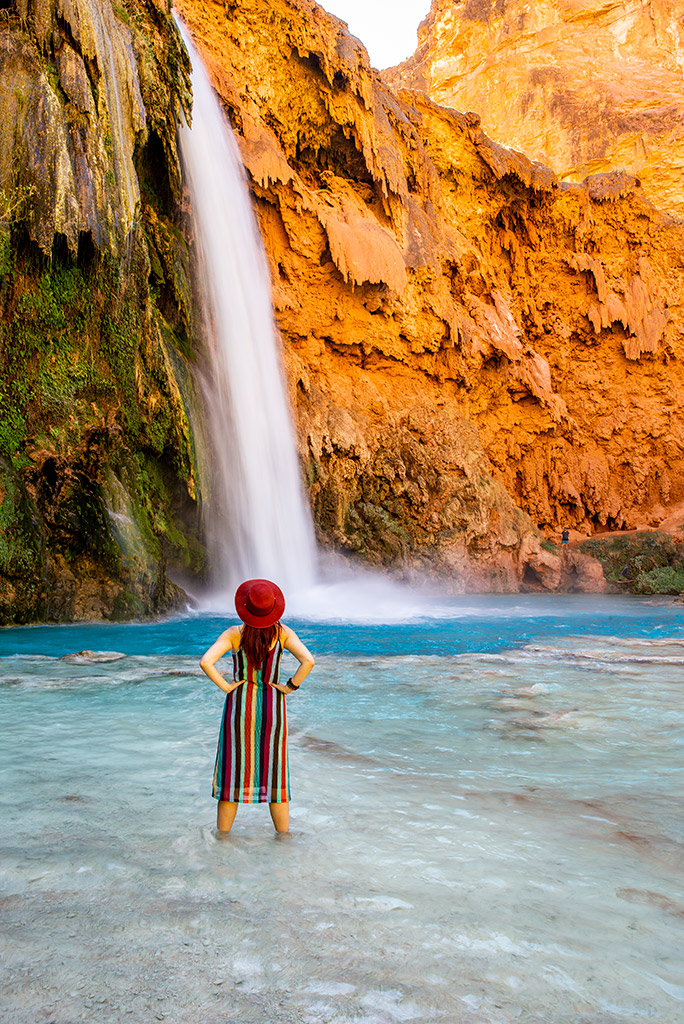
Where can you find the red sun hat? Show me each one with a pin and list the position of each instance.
(259, 603)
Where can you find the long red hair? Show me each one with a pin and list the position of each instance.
(257, 641)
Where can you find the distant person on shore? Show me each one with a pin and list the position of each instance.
(565, 536)
(251, 761)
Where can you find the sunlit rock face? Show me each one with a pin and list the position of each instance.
(474, 350)
(585, 87)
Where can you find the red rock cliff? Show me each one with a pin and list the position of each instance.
(468, 341)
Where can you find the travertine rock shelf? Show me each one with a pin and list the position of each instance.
(463, 333)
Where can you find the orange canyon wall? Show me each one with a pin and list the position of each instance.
(476, 351)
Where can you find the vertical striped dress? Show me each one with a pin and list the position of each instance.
(251, 761)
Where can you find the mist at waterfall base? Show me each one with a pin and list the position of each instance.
(486, 824)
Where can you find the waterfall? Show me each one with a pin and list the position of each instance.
(258, 522)
(105, 37)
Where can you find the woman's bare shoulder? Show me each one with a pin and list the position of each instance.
(231, 634)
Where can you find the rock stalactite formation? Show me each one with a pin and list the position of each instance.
(475, 349)
(587, 87)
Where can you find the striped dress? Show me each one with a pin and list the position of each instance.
(251, 761)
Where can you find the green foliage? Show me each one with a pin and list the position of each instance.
(71, 338)
(49, 309)
(644, 563)
(12, 427)
(120, 337)
(664, 580)
(5, 250)
(549, 546)
(66, 376)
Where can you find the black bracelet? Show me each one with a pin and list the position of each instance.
(293, 686)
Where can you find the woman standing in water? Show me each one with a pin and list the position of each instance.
(251, 761)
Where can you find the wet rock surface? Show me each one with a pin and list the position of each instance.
(69, 134)
(99, 492)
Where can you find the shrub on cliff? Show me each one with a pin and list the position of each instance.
(664, 580)
(644, 563)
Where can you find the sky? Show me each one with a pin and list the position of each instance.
(387, 28)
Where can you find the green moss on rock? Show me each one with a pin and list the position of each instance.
(99, 493)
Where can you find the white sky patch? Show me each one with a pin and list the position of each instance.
(387, 28)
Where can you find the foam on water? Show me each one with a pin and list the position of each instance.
(484, 837)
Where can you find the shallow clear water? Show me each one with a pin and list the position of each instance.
(486, 825)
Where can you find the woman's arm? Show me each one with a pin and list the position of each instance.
(294, 645)
(208, 661)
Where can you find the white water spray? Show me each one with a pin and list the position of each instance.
(258, 522)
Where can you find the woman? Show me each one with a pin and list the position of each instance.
(251, 761)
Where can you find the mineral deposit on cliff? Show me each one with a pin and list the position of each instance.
(98, 474)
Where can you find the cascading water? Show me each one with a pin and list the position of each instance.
(258, 522)
(105, 35)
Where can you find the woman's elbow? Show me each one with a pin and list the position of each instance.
(204, 663)
(310, 662)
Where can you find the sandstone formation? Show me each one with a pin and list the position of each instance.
(460, 328)
(586, 87)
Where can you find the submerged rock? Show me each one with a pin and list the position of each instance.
(94, 657)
